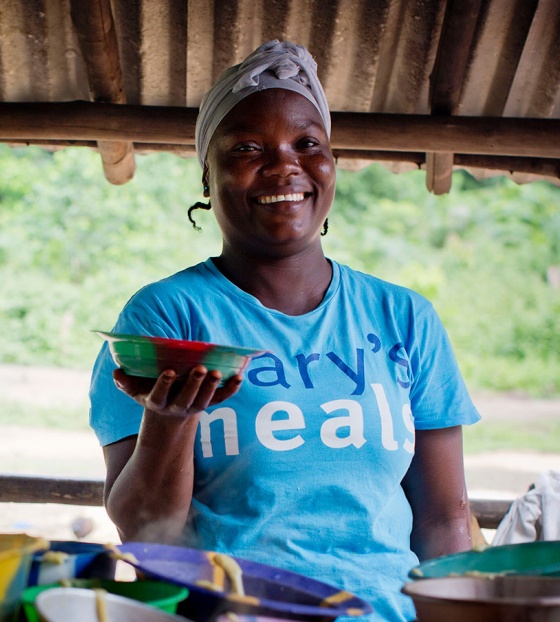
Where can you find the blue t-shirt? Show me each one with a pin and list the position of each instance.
(302, 468)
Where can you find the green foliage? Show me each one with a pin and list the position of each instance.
(541, 436)
(74, 248)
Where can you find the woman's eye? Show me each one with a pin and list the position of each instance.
(245, 148)
(308, 142)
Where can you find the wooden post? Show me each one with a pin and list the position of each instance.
(95, 27)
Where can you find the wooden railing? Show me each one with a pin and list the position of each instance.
(79, 491)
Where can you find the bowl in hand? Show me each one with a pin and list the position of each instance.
(148, 357)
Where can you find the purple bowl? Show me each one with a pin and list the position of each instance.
(271, 592)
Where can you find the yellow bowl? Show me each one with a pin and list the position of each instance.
(16, 553)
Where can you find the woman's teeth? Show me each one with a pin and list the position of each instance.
(276, 198)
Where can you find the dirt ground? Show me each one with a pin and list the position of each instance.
(43, 451)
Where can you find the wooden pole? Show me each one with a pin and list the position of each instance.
(95, 27)
(456, 40)
(502, 136)
(34, 489)
(89, 492)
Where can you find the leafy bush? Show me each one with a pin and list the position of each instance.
(73, 249)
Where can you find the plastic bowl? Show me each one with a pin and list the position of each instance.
(159, 594)
(540, 558)
(65, 604)
(486, 599)
(16, 553)
(269, 591)
(150, 356)
(78, 560)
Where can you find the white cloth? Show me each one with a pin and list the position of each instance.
(533, 516)
(275, 64)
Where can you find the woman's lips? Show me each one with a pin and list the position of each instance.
(277, 198)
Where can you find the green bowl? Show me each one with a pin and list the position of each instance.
(530, 558)
(158, 594)
(149, 356)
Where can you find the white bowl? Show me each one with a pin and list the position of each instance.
(63, 604)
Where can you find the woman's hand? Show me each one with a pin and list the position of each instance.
(178, 397)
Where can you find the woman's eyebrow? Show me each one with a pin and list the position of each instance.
(247, 128)
(310, 123)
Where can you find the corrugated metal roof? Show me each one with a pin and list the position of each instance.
(469, 58)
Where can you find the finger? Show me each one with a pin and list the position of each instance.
(134, 386)
(158, 396)
(198, 389)
(230, 387)
(207, 389)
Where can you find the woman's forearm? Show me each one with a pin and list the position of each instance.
(151, 497)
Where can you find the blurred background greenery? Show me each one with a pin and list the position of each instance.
(74, 248)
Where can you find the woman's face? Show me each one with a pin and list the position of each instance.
(271, 175)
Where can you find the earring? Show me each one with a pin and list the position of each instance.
(325, 227)
(205, 189)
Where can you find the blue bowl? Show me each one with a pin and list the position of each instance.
(79, 560)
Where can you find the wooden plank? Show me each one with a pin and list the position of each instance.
(469, 135)
(489, 512)
(68, 491)
(454, 48)
(447, 79)
(75, 491)
(439, 170)
(363, 131)
(95, 27)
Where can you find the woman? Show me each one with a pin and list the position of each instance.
(339, 455)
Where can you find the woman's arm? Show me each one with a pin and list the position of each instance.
(436, 490)
(149, 483)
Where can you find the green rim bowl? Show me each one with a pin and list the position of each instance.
(158, 594)
(148, 357)
(540, 558)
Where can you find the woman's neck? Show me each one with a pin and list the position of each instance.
(293, 285)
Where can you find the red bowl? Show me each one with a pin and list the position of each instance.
(148, 357)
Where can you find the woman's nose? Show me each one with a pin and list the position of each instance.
(282, 163)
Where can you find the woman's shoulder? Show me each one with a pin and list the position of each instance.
(371, 285)
(174, 286)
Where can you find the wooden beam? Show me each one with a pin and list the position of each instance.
(489, 512)
(469, 135)
(439, 171)
(454, 49)
(447, 79)
(74, 491)
(544, 167)
(502, 136)
(95, 27)
(68, 491)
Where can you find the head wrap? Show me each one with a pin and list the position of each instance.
(273, 65)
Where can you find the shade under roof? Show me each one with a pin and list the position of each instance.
(471, 84)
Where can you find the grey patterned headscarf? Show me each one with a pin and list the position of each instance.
(273, 65)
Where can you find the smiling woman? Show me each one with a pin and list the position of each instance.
(339, 455)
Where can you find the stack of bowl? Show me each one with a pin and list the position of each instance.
(510, 583)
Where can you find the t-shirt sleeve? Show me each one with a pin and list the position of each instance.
(439, 397)
(113, 414)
